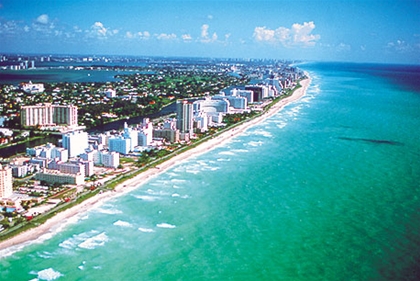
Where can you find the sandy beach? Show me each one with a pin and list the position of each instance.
(63, 218)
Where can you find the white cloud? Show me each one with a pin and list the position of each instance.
(164, 36)
(399, 46)
(129, 35)
(205, 31)
(297, 35)
(140, 35)
(42, 19)
(302, 34)
(205, 38)
(186, 37)
(343, 47)
(146, 35)
(98, 30)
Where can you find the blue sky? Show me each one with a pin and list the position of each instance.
(360, 31)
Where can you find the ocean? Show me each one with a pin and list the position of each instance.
(326, 189)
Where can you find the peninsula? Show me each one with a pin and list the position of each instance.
(236, 96)
(61, 219)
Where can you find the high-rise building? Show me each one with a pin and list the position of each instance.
(145, 134)
(132, 135)
(110, 159)
(184, 115)
(48, 115)
(75, 143)
(119, 144)
(6, 182)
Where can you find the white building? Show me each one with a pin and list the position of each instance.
(211, 105)
(110, 159)
(75, 143)
(31, 88)
(19, 171)
(110, 93)
(48, 115)
(235, 100)
(248, 94)
(6, 182)
(132, 135)
(145, 134)
(52, 176)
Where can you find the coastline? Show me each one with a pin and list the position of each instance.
(60, 220)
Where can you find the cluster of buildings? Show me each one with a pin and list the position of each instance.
(21, 65)
(76, 155)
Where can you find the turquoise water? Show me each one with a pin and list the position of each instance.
(327, 189)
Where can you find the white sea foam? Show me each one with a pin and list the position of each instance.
(123, 223)
(255, 143)
(95, 241)
(160, 192)
(178, 180)
(76, 239)
(82, 266)
(227, 152)
(147, 230)
(67, 244)
(45, 255)
(165, 225)
(180, 196)
(192, 171)
(281, 125)
(223, 159)
(147, 198)
(84, 217)
(240, 150)
(202, 163)
(48, 274)
(263, 133)
(108, 211)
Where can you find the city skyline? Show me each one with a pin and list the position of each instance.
(357, 31)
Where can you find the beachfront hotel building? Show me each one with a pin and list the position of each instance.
(184, 115)
(53, 176)
(6, 182)
(145, 134)
(75, 142)
(110, 159)
(119, 144)
(48, 115)
(210, 105)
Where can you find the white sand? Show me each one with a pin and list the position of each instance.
(64, 217)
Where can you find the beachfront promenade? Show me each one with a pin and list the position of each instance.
(60, 219)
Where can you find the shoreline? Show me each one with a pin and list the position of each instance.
(62, 219)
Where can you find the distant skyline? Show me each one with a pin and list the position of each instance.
(329, 30)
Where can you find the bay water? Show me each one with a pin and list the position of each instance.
(326, 189)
